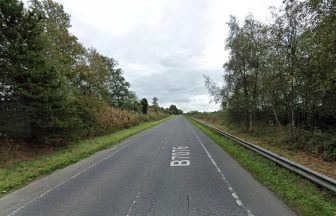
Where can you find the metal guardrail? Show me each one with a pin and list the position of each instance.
(312, 175)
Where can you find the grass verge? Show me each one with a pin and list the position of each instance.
(20, 174)
(303, 196)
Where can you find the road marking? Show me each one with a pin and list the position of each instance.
(133, 203)
(66, 180)
(180, 156)
(239, 203)
(234, 194)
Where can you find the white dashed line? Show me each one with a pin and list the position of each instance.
(133, 203)
(239, 202)
(234, 194)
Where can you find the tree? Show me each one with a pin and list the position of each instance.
(62, 48)
(243, 69)
(118, 87)
(320, 43)
(144, 106)
(34, 90)
(174, 110)
(99, 77)
(155, 103)
(285, 69)
(14, 63)
(132, 103)
(51, 86)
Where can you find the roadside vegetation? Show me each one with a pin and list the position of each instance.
(18, 174)
(303, 196)
(280, 78)
(269, 137)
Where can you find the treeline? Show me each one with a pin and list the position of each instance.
(283, 71)
(52, 88)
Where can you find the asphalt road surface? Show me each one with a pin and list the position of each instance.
(170, 169)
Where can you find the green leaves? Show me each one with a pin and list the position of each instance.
(51, 87)
(144, 105)
(284, 71)
(173, 110)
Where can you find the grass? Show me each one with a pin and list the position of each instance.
(18, 175)
(303, 196)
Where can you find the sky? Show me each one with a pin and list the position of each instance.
(164, 46)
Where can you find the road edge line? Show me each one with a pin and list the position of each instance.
(233, 193)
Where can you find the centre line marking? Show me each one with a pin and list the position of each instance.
(133, 203)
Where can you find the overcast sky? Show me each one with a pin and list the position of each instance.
(164, 46)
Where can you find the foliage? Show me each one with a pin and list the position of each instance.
(144, 106)
(33, 92)
(155, 103)
(283, 72)
(174, 111)
(52, 88)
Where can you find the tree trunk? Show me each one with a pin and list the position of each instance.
(250, 122)
(293, 125)
(278, 122)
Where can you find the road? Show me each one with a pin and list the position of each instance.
(170, 169)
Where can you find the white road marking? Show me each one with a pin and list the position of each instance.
(234, 194)
(65, 181)
(133, 203)
(180, 156)
(239, 202)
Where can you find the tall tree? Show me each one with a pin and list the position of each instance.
(34, 89)
(144, 106)
(173, 109)
(63, 49)
(155, 103)
(246, 45)
(118, 88)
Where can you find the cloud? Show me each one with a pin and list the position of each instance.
(164, 46)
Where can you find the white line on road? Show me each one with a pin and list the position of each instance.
(234, 194)
(65, 181)
(133, 203)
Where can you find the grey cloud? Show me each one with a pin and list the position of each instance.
(170, 54)
(171, 86)
(166, 57)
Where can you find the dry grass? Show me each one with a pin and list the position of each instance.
(116, 119)
(107, 120)
(12, 151)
